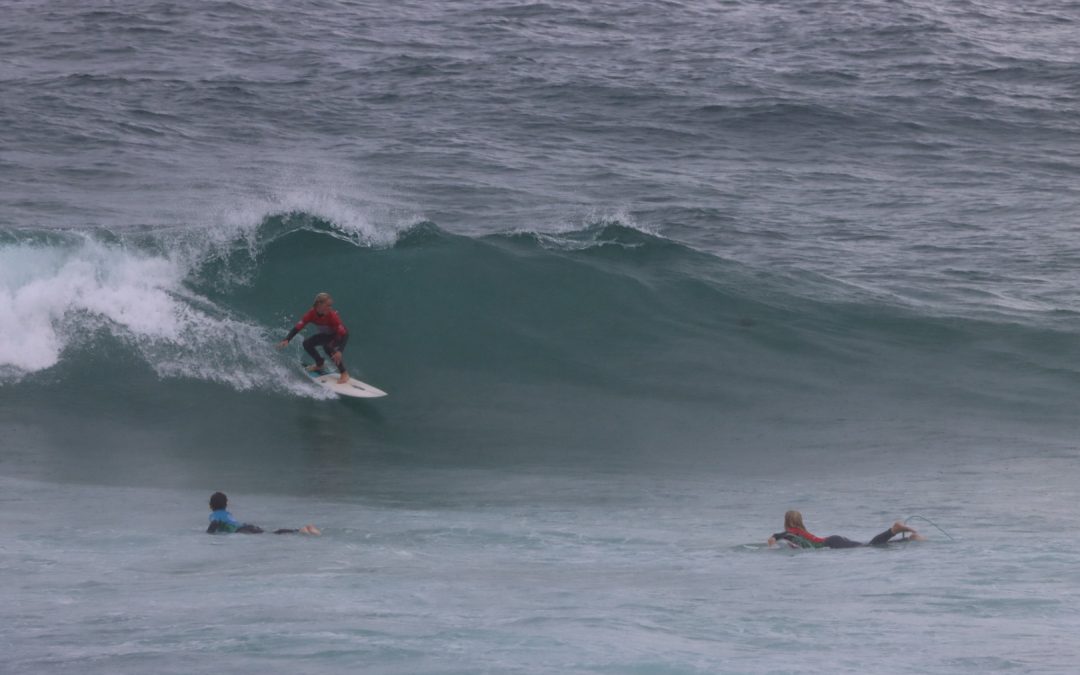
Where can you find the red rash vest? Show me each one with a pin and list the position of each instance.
(805, 535)
(329, 322)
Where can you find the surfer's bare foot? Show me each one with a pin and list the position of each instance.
(315, 367)
(343, 379)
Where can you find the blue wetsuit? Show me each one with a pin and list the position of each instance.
(222, 521)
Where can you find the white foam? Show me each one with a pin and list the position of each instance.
(52, 296)
(323, 193)
(567, 234)
(42, 287)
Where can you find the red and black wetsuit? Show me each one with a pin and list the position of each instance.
(332, 335)
(804, 539)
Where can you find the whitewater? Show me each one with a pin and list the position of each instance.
(639, 278)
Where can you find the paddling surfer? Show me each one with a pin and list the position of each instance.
(795, 533)
(222, 522)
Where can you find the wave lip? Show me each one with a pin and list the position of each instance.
(60, 293)
(44, 291)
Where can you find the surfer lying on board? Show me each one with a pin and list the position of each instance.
(221, 521)
(332, 335)
(795, 533)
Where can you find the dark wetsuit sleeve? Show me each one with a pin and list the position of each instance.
(883, 538)
(304, 320)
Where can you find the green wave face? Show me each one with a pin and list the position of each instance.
(605, 346)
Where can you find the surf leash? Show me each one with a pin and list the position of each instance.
(910, 518)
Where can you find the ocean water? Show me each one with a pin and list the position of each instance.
(638, 277)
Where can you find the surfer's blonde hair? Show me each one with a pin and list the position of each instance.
(321, 298)
(793, 519)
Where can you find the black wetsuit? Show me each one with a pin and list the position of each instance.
(834, 541)
(332, 336)
(218, 527)
(330, 343)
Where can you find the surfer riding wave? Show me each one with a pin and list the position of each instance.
(332, 335)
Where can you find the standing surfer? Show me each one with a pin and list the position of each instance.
(332, 335)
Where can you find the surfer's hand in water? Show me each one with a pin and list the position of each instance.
(283, 344)
(899, 527)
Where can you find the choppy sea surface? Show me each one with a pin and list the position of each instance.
(639, 278)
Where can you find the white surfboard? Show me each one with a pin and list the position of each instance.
(353, 387)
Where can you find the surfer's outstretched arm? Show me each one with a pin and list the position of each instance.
(304, 320)
(896, 529)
